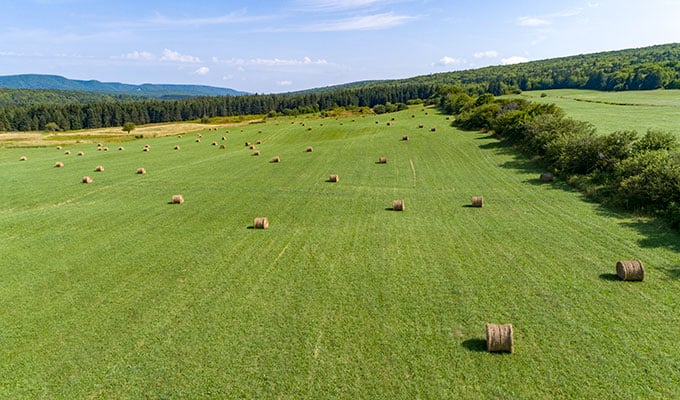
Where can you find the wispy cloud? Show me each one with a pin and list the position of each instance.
(486, 54)
(447, 61)
(360, 23)
(335, 5)
(284, 83)
(202, 71)
(532, 21)
(549, 19)
(232, 18)
(514, 60)
(170, 55)
(139, 55)
(273, 62)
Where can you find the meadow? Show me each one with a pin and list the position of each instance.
(617, 111)
(110, 292)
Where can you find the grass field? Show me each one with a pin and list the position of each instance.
(110, 292)
(613, 111)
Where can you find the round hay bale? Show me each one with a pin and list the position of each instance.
(141, 171)
(420, 126)
(630, 270)
(405, 137)
(99, 168)
(433, 129)
(224, 138)
(261, 223)
(81, 153)
(259, 141)
(389, 123)
(147, 149)
(499, 337)
(214, 143)
(99, 145)
(248, 144)
(121, 148)
(382, 160)
(309, 149)
(177, 199)
(59, 164)
(398, 205)
(256, 153)
(198, 140)
(276, 159)
(333, 178)
(546, 177)
(99, 149)
(87, 179)
(106, 149)
(252, 147)
(23, 158)
(177, 147)
(67, 152)
(59, 147)
(222, 147)
(199, 136)
(477, 201)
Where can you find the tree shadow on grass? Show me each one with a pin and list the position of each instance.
(656, 232)
(671, 272)
(475, 345)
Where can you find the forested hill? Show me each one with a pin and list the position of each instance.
(633, 69)
(644, 68)
(54, 82)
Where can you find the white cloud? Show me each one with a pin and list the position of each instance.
(486, 54)
(335, 5)
(202, 71)
(170, 55)
(275, 62)
(284, 83)
(139, 55)
(361, 23)
(514, 60)
(450, 61)
(532, 21)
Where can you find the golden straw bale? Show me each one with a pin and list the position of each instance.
(177, 199)
(405, 137)
(87, 179)
(59, 164)
(334, 178)
(309, 149)
(99, 168)
(261, 223)
(276, 159)
(81, 153)
(398, 205)
(630, 270)
(382, 160)
(141, 171)
(477, 201)
(499, 337)
(256, 153)
(23, 158)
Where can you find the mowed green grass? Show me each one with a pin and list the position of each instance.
(637, 110)
(110, 292)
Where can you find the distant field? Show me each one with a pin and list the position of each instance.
(612, 111)
(110, 292)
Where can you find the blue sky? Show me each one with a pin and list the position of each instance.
(286, 45)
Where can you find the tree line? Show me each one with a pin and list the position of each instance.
(116, 113)
(623, 169)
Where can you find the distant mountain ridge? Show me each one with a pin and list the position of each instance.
(161, 91)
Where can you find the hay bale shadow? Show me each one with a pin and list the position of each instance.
(250, 227)
(475, 345)
(610, 277)
(390, 209)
